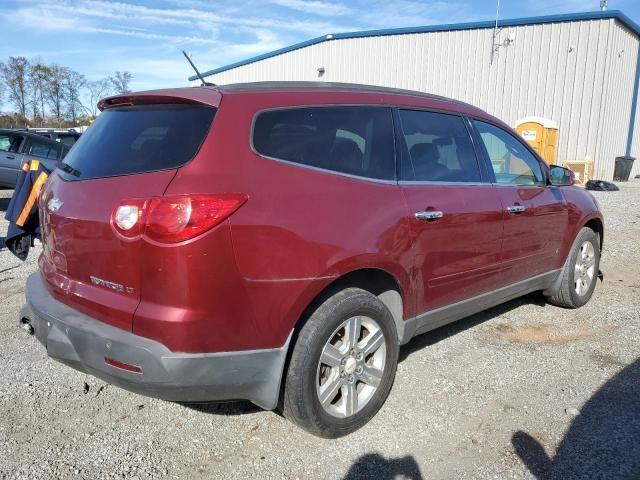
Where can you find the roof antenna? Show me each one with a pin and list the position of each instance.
(204, 84)
(494, 44)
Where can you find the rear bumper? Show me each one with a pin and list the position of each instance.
(83, 343)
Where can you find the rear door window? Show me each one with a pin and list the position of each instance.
(137, 139)
(356, 140)
(439, 147)
(45, 149)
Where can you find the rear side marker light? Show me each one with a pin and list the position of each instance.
(176, 218)
(122, 365)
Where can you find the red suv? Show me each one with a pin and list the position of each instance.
(278, 242)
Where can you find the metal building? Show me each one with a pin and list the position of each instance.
(579, 70)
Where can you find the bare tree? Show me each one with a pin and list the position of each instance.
(95, 90)
(2, 89)
(15, 75)
(38, 82)
(72, 85)
(55, 90)
(120, 81)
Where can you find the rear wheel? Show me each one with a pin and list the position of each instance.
(580, 272)
(342, 366)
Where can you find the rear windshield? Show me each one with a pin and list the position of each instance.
(139, 139)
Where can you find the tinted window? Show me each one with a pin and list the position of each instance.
(140, 139)
(354, 140)
(439, 147)
(44, 149)
(67, 140)
(511, 161)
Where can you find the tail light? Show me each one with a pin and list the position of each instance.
(175, 218)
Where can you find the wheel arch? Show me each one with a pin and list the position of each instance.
(375, 280)
(597, 226)
(372, 279)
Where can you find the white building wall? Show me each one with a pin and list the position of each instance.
(578, 73)
(635, 145)
(620, 75)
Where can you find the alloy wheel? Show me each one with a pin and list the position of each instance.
(584, 272)
(351, 366)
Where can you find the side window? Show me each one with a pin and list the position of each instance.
(67, 140)
(439, 147)
(512, 163)
(10, 143)
(44, 149)
(5, 143)
(353, 140)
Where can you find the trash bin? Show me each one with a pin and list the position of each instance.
(622, 169)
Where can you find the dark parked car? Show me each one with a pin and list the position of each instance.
(66, 136)
(19, 146)
(279, 242)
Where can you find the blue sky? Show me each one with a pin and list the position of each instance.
(97, 37)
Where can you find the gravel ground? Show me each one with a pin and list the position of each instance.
(524, 390)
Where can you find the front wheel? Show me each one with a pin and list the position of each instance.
(580, 272)
(342, 366)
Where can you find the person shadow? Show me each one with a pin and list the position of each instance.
(603, 441)
(374, 465)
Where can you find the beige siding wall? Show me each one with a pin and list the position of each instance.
(635, 145)
(579, 74)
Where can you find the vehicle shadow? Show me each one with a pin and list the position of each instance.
(442, 333)
(603, 441)
(230, 409)
(374, 465)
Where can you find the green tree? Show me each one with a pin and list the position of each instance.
(38, 81)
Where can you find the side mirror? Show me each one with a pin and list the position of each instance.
(560, 176)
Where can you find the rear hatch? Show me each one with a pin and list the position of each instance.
(130, 152)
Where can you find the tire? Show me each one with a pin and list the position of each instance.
(360, 368)
(573, 293)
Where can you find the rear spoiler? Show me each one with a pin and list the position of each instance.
(209, 96)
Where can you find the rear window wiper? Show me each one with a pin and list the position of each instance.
(69, 169)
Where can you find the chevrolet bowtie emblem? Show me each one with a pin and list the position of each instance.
(54, 205)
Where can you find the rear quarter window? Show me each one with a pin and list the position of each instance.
(356, 140)
(45, 149)
(138, 139)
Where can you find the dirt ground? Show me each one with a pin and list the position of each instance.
(524, 390)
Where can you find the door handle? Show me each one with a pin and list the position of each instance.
(516, 209)
(428, 215)
(10, 157)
